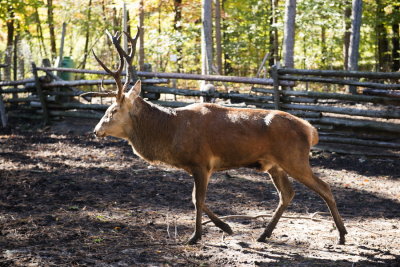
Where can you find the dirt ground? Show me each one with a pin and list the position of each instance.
(69, 199)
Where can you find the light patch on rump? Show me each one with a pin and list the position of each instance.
(268, 118)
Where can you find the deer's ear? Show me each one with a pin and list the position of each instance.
(135, 90)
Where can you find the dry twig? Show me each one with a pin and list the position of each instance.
(249, 217)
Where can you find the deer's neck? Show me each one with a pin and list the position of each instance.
(152, 129)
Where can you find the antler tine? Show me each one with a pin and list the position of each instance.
(116, 74)
(102, 64)
(133, 42)
(129, 58)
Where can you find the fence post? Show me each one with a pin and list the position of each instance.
(3, 115)
(275, 78)
(42, 97)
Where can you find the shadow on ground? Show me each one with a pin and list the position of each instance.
(74, 200)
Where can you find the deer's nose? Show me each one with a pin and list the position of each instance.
(99, 133)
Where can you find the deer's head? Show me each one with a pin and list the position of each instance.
(115, 120)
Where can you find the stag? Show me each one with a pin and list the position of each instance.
(204, 138)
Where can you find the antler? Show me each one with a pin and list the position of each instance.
(115, 74)
(128, 57)
(123, 55)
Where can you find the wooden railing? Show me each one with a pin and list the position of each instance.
(362, 119)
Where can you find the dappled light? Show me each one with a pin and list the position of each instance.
(282, 117)
(104, 205)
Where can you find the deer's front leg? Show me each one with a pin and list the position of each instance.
(201, 178)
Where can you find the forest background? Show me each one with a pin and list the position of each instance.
(244, 31)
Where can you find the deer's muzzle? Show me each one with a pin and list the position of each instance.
(98, 132)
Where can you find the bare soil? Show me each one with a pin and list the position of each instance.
(69, 199)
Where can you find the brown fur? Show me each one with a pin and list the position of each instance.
(204, 138)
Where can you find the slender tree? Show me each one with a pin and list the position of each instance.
(50, 21)
(356, 16)
(396, 39)
(323, 46)
(178, 31)
(10, 40)
(289, 33)
(206, 37)
(87, 35)
(347, 33)
(382, 38)
(225, 40)
(218, 44)
(15, 59)
(141, 36)
(40, 35)
(273, 33)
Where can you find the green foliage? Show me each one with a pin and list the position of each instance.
(246, 28)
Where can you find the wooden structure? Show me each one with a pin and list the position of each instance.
(370, 119)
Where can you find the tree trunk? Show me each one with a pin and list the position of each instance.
(9, 48)
(323, 47)
(50, 21)
(206, 37)
(347, 33)
(39, 30)
(382, 38)
(355, 38)
(88, 27)
(225, 39)
(273, 33)
(178, 30)
(141, 36)
(129, 28)
(218, 46)
(289, 34)
(21, 60)
(396, 40)
(15, 61)
(115, 20)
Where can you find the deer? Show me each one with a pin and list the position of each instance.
(203, 138)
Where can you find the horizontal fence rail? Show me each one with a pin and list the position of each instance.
(342, 73)
(370, 120)
(184, 76)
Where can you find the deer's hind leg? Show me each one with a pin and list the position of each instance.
(286, 194)
(217, 221)
(302, 172)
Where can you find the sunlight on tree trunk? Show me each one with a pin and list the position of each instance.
(355, 38)
(289, 33)
(178, 31)
(206, 38)
(273, 33)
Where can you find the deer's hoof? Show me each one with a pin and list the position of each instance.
(262, 238)
(226, 228)
(193, 239)
(342, 240)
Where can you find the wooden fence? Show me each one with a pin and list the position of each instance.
(370, 119)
